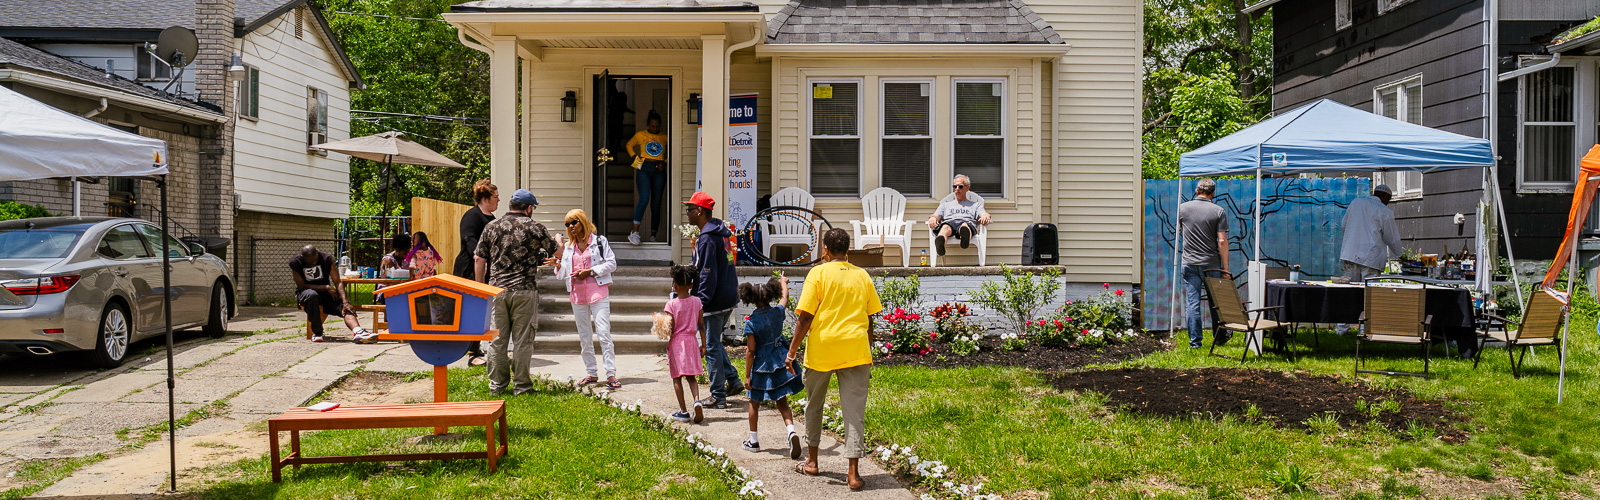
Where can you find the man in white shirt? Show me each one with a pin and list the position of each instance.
(1370, 235)
(959, 214)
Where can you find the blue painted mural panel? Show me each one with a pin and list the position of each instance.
(1300, 223)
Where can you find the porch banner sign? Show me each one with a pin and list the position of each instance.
(742, 162)
(741, 158)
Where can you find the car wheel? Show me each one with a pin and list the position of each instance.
(116, 333)
(217, 322)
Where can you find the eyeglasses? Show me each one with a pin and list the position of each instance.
(958, 186)
(571, 223)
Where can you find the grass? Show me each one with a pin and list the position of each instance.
(1008, 427)
(38, 474)
(563, 445)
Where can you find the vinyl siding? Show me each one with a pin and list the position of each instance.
(123, 57)
(273, 170)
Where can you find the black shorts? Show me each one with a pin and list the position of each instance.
(955, 228)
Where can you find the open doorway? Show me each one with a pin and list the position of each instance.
(625, 195)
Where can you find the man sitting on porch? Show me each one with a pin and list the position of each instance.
(959, 214)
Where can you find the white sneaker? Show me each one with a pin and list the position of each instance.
(633, 238)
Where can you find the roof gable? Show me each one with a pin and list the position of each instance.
(922, 21)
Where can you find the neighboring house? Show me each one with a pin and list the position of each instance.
(259, 178)
(1431, 62)
(1037, 101)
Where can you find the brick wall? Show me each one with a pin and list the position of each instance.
(214, 29)
(183, 189)
(268, 280)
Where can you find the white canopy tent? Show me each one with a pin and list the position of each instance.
(41, 142)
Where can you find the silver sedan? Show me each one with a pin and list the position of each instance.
(94, 284)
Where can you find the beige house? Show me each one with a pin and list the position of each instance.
(1037, 102)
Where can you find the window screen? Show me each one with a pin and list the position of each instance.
(907, 147)
(980, 144)
(835, 139)
(1549, 127)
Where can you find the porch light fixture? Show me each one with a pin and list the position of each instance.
(569, 107)
(694, 108)
(236, 65)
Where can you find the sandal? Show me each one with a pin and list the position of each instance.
(613, 385)
(587, 381)
(476, 361)
(801, 468)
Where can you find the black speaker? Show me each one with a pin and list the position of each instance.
(1039, 245)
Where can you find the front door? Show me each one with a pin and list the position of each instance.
(623, 106)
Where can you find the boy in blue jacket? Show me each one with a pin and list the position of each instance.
(718, 289)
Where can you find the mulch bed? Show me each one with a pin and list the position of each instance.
(1046, 359)
(1285, 399)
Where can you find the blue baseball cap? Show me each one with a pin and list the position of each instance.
(524, 197)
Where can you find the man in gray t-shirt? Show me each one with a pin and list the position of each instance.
(959, 214)
(1204, 227)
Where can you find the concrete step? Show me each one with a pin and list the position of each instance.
(619, 322)
(621, 286)
(567, 343)
(552, 304)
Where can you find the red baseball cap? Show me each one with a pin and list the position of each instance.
(701, 200)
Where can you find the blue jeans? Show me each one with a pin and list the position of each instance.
(1194, 284)
(718, 367)
(651, 179)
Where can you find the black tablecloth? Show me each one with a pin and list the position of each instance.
(1305, 303)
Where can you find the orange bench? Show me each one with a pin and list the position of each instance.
(462, 414)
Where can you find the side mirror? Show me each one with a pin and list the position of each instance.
(196, 249)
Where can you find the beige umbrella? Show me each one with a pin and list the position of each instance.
(389, 148)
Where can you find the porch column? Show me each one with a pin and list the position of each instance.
(714, 120)
(503, 118)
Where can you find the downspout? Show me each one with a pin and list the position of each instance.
(103, 105)
(727, 70)
(77, 186)
(461, 35)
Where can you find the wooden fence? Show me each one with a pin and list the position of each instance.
(442, 221)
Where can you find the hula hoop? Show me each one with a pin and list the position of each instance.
(815, 223)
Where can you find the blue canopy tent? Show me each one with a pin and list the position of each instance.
(1328, 137)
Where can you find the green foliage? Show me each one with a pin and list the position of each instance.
(898, 293)
(414, 64)
(1584, 29)
(1018, 298)
(1291, 479)
(1203, 80)
(10, 210)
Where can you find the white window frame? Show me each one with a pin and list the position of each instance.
(146, 61)
(1005, 140)
(1584, 122)
(246, 99)
(1400, 181)
(1342, 16)
(883, 122)
(1384, 6)
(861, 149)
(314, 136)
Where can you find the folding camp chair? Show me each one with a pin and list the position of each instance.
(1228, 314)
(1396, 314)
(1540, 326)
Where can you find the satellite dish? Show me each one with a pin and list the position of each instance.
(177, 46)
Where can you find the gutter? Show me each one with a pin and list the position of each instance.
(1586, 39)
(1258, 6)
(1554, 60)
(1049, 50)
(97, 92)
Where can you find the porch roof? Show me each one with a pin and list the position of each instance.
(890, 22)
(605, 6)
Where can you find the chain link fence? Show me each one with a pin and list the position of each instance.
(265, 273)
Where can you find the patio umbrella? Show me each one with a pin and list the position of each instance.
(41, 142)
(389, 148)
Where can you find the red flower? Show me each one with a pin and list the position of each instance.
(1058, 322)
(747, 317)
(924, 351)
(1085, 331)
(932, 335)
(1119, 292)
(888, 346)
(1106, 285)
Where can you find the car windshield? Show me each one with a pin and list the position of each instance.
(37, 243)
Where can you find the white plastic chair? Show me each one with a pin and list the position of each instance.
(786, 230)
(980, 240)
(885, 211)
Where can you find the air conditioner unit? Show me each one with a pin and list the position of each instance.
(315, 138)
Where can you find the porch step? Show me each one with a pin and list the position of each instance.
(550, 304)
(567, 343)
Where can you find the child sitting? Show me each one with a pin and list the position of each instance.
(683, 349)
(766, 375)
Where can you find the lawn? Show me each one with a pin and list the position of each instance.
(1010, 429)
(563, 445)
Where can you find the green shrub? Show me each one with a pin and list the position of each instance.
(10, 210)
(898, 293)
(1018, 299)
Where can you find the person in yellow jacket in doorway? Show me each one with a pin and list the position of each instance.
(649, 150)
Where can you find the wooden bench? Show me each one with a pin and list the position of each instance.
(459, 414)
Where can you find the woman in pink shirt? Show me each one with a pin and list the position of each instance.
(585, 265)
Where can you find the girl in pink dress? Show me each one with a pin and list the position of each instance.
(683, 349)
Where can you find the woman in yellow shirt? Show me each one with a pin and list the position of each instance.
(649, 150)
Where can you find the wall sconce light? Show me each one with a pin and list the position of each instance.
(569, 107)
(694, 108)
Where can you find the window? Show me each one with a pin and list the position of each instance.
(1402, 101)
(1341, 14)
(1385, 6)
(122, 197)
(435, 309)
(906, 163)
(250, 94)
(152, 236)
(1549, 128)
(316, 117)
(835, 141)
(122, 243)
(979, 145)
(150, 67)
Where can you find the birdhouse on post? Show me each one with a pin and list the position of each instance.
(440, 317)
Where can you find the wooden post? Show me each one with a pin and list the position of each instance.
(441, 390)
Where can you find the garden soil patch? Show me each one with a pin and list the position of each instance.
(1285, 399)
(1046, 359)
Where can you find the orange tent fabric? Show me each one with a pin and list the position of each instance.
(1582, 197)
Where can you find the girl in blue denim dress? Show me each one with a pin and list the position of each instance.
(766, 348)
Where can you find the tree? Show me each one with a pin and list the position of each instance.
(413, 64)
(1208, 73)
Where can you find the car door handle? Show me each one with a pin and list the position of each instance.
(120, 272)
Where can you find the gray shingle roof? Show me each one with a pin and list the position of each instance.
(120, 14)
(13, 54)
(605, 6)
(909, 21)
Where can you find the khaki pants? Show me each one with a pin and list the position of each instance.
(516, 315)
(853, 382)
(1356, 273)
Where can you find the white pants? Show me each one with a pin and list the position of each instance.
(591, 319)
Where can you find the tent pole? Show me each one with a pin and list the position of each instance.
(1572, 296)
(1505, 232)
(77, 196)
(166, 304)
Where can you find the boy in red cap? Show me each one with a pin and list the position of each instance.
(717, 286)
